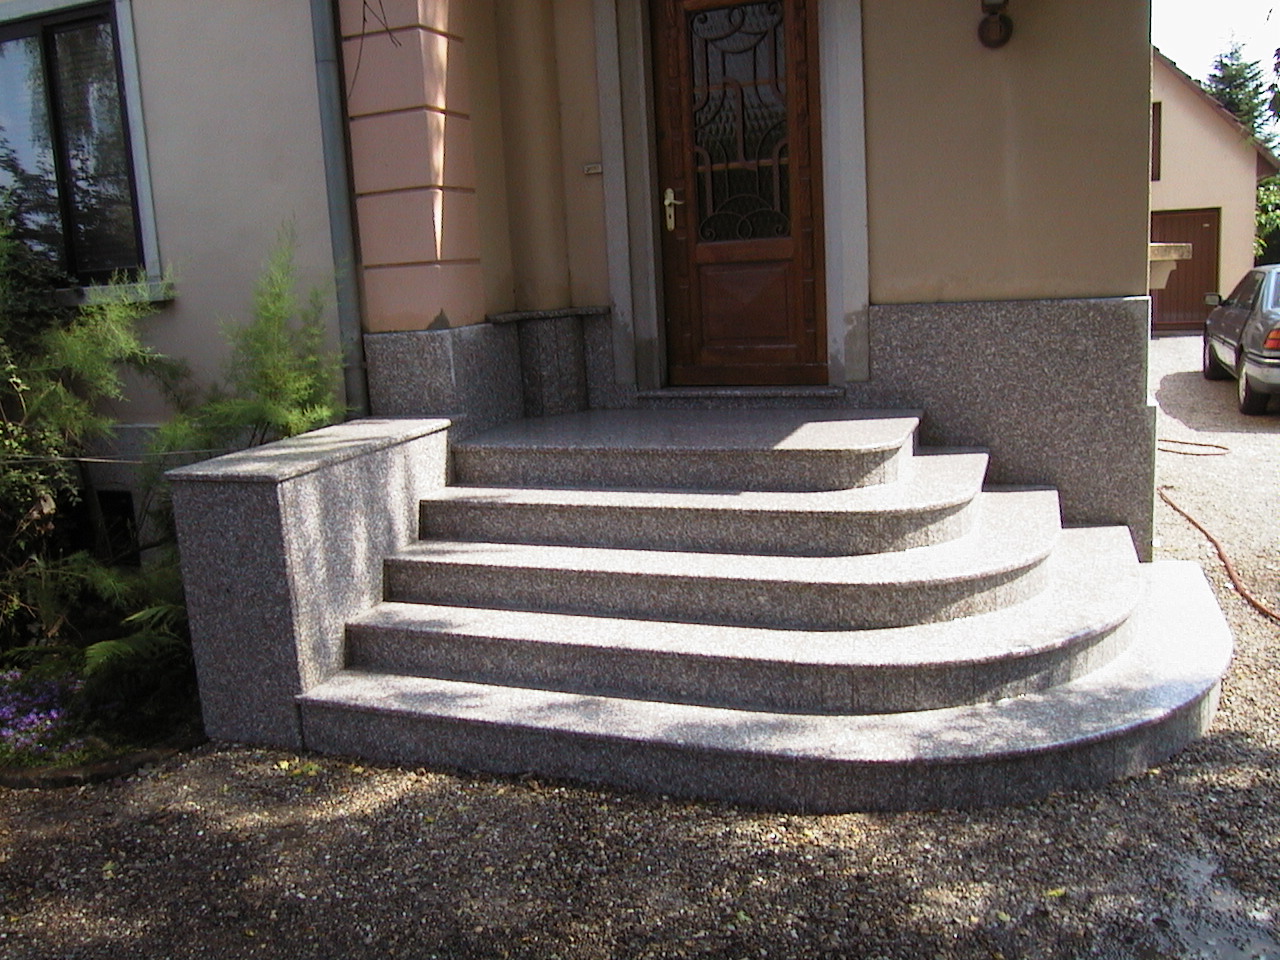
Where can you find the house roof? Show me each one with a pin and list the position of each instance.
(1268, 162)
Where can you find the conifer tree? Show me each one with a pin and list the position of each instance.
(1240, 86)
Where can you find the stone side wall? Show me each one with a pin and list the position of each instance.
(469, 374)
(1054, 389)
(280, 546)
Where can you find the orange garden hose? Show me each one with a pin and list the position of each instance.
(1241, 589)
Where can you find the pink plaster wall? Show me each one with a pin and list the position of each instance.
(413, 164)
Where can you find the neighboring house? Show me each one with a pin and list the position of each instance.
(1205, 169)
(614, 204)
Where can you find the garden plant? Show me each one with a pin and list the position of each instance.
(95, 657)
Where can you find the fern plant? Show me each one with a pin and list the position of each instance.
(59, 365)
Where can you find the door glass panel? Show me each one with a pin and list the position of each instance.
(740, 122)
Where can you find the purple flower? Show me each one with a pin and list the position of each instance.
(33, 720)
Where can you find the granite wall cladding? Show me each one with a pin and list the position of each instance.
(469, 374)
(533, 363)
(280, 546)
(553, 372)
(1056, 390)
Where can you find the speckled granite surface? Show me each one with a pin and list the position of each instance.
(281, 545)
(1116, 721)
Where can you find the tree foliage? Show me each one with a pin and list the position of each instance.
(66, 611)
(59, 364)
(1240, 86)
(281, 379)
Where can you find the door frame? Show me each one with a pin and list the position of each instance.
(629, 160)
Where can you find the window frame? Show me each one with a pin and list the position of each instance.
(12, 14)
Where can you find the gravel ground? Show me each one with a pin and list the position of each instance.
(229, 851)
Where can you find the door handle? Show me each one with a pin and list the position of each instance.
(670, 202)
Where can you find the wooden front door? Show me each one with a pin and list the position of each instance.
(1180, 305)
(739, 193)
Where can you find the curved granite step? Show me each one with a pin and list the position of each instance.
(1119, 720)
(1075, 625)
(998, 563)
(691, 449)
(927, 505)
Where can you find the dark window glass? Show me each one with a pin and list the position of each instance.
(1157, 134)
(64, 144)
(740, 122)
(1245, 291)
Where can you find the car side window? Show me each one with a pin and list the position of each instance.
(1243, 295)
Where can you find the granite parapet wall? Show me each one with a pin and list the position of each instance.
(281, 545)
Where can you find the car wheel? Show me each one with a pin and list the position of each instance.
(1210, 366)
(1251, 401)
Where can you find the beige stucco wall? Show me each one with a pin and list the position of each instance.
(580, 146)
(1205, 162)
(409, 89)
(233, 135)
(1012, 173)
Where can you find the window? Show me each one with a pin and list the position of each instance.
(65, 158)
(1157, 122)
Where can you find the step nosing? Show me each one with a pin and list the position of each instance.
(1109, 582)
(976, 554)
(922, 490)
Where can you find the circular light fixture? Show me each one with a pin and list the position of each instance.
(995, 28)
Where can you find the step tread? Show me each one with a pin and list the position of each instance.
(1181, 650)
(934, 480)
(632, 431)
(1013, 528)
(1092, 585)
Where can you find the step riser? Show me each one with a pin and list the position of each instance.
(794, 605)
(1155, 696)
(762, 780)
(782, 686)
(726, 470)
(742, 403)
(739, 531)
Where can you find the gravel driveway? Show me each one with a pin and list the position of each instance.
(235, 852)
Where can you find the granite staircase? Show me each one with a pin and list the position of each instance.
(795, 609)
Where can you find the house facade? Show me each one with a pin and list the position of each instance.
(1204, 177)
(729, 243)
(445, 164)
(194, 161)
(976, 238)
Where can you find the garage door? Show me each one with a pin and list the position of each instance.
(1180, 305)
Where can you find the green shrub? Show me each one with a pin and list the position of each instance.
(111, 639)
(280, 380)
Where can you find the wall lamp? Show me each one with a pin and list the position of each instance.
(995, 28)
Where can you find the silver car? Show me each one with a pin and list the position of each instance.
(1242, 338)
